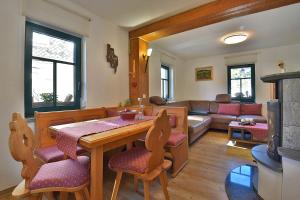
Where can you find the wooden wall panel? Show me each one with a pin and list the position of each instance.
(138, 78)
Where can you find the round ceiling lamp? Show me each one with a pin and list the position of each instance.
(235, 38)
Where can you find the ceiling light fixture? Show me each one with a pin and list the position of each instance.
(235, 38)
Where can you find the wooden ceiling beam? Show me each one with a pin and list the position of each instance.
(216, 11)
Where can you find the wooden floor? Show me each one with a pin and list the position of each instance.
(210, 160)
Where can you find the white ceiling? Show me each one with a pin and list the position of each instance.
(271, 28)
(134, 13)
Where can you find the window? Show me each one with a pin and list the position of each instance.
(52, 70)
(165, 82)
(241, 82)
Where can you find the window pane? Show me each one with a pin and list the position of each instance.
(162, 89)
(42, 83)
(166, 92)
(246, 88)
(235, 88)
(244, 72)
(164, 73)
(65, 83)
(52, 48)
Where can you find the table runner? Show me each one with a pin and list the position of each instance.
(259, 131)
(68, 137)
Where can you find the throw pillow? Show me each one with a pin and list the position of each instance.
(229, 109)
(251, 109)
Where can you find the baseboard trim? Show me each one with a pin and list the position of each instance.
(7, 191)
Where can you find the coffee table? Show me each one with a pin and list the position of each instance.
(256, 134)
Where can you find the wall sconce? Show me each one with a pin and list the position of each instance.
(149, 52)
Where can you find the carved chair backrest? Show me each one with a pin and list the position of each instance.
(21, 145)
(181, 116)
(156, 138)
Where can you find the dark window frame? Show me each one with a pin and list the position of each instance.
(167, 79)
(29, 109)
(252, 66)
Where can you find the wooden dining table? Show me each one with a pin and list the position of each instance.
(98, 143)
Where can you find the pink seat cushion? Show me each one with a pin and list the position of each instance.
(229, 109)
(251, 109)
(66, 173)
(176, 138)
(135, 160)
(53, 154)
(173, 120)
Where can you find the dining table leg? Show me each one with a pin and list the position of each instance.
(96, 173)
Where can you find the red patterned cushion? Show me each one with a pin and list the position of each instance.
(53, 154)
(173, 120)
(251, 109)
(176, 138)
(229, 109)
(135, 159)
(65, 173)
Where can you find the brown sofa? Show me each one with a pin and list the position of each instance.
(203, 115)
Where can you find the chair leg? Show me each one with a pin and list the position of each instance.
(164, 183)
(86, 193)
(64, 195)
(78, 195)
(146, 190)
(136, 184)
(116, 185)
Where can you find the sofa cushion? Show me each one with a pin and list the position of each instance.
(251, 109)
(213, 107)
(180, 104)
(256, 118)
(198, 123)
(220, 118)
(229, 109)
(199, 106)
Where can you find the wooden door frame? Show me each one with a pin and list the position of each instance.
(210, 13)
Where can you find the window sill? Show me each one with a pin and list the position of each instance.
(30, 119)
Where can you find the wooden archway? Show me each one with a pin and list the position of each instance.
(216, 11)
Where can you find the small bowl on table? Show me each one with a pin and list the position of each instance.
(128, 114)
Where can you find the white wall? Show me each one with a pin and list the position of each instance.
(103, 87)
(266, 61)
(175, 63)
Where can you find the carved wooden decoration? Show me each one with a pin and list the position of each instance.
(112, 58)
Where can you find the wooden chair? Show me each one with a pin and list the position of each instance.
(145, 163)
(62, 176)
(177, 144)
